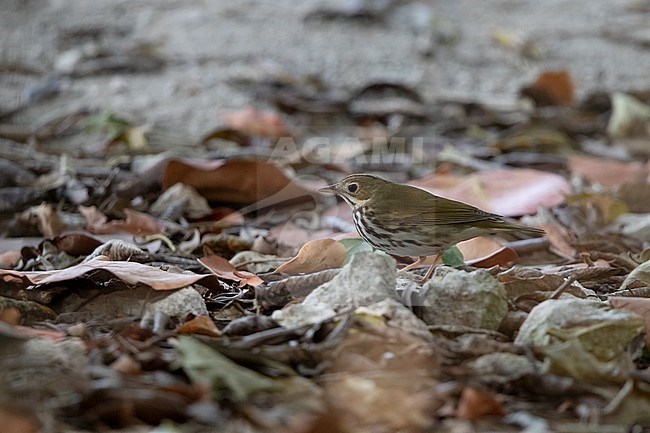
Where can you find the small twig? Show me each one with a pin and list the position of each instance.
(266, 260)
(565, 285)
(618, 398)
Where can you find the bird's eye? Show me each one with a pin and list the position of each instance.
(353, 187)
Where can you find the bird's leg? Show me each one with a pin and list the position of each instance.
(427, 276)
(413, 265)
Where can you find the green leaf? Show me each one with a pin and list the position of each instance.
(453, 257)
(354, 246)
(206, 366)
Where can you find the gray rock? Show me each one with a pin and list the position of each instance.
(582, 338)
(297, 315)
(367, 279)
(455, 297)
(398, 316)
(635, 225)
(180, 303)
(503, 368)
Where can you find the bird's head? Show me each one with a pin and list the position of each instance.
(357, 189)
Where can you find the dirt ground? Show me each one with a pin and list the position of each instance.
(483, 51)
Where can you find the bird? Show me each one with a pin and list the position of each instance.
(404, 220)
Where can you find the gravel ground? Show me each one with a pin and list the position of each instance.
(207, 45)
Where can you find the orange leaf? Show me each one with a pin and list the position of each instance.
(476, 404)
(201, 325)
(551, 88)
(224, 269)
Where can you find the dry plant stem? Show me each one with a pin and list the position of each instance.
(565, 285)
(268, 260)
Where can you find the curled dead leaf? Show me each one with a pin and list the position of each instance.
(137, 223)
(129, 272)
(224, 269)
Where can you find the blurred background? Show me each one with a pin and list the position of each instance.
(182, 65)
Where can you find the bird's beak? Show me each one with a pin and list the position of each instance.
(330, 189)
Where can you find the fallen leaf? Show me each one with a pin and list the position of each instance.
(314, 256)
(10, 316)
(503, 256)
(224, 269)
(252, 121)
(478, 248)
(206, 366)
(201, 325)
(476, 404)
(242, 182)
(9, 259)
(509, 192)
(136, 223)
(640, 306)
(639, 277)
(608, 173)
(15, 421)
(129, 272)
(551, 88)
(76, 243)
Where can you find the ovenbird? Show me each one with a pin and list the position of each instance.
(404, 220)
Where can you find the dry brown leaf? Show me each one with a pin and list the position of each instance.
(476, 404)
(360, 376)
(503, 256)
(76, 243)
(478, 248)
(9, 259)
(551, 88)
(136, 223)
(640, 306)
(241, 182)
(252, 121)
(130, 272)
(224, 269)
(608, 173)
(15, 421)
(314, 256)
(201, 325)
(10, 316)
(510, 192)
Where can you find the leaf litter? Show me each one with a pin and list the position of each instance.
(229, 294)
